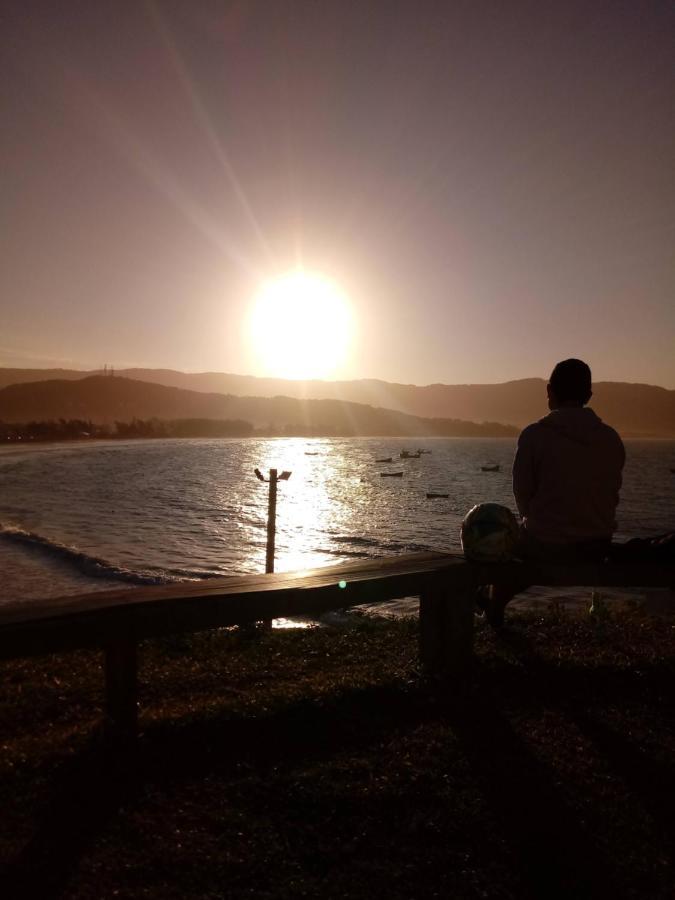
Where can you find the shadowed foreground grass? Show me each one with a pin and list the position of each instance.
(318, 763)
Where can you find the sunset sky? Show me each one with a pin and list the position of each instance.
(489, 186)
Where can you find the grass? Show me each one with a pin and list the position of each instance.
(319, 763)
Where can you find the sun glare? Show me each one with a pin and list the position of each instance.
(300, 326)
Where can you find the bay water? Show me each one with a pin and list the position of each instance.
(78, 517)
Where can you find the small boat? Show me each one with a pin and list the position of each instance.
(489, 468)
(408, 454)
(386, 459)
(311, 453)
(391, 474)
(431, 495)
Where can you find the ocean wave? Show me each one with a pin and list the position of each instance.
(88, 565)
(175, 574)
(357, 541)
(405, 547)
(344, 554)
(386, 546)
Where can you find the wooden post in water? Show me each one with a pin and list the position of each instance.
(446, 632)
(271, 514)
(121, 690)
(271, 522)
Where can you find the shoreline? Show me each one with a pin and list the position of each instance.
(27, 575)
(268, 436)
(94, 439)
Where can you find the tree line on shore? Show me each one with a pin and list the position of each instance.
(86, 429)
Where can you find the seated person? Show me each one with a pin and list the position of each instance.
(566, 481)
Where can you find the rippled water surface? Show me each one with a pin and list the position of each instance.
(77, 516)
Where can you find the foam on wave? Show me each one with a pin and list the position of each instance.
(92, 566)
(378, 546)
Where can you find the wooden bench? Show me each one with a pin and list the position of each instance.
(117, 620)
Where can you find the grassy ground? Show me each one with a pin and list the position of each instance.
(319, 763)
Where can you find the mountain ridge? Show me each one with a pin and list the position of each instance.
(107, 400)
(633, 408)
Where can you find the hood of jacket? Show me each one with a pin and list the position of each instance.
(578, 424)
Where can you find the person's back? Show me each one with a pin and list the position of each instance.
(567, 475)
(566, 480)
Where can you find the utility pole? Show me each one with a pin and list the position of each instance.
(271, 513)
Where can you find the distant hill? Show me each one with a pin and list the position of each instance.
(634, 409)
(22, 376)
(108, 400)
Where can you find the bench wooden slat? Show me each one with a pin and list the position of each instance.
(116, 620)
(90, 619)
(153, 611)
(277, 583)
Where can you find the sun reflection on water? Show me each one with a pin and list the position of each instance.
(320, 499)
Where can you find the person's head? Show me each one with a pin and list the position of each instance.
(569, 384)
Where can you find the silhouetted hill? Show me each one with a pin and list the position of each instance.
(22, 376)
(108, 400)
(634, 409)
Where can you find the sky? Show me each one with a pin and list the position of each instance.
(490, 185)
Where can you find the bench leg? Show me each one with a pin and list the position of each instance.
(121, 690)
(446, 633)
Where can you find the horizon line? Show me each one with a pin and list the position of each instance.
(299, 381)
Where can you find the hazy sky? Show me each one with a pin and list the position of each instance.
(491, 183)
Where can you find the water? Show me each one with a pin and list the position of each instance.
(81, 517)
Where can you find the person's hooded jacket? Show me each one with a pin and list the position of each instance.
(567, 476)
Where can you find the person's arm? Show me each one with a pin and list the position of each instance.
(524, 474)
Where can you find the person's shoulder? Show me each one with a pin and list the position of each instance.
(541, 426)
(530, 432)
(611, 433)
(611, 440)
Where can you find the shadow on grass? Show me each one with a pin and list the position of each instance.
(651, 779)
(590, 698)
(550, 848)
(87, 792)
(90, 790)
(544, 841)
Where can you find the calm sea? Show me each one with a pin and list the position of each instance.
(80, 517)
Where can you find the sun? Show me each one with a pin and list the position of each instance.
(300, 326)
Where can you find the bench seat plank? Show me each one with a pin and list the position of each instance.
(87, 620)
(116, 620)
(93, 619)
